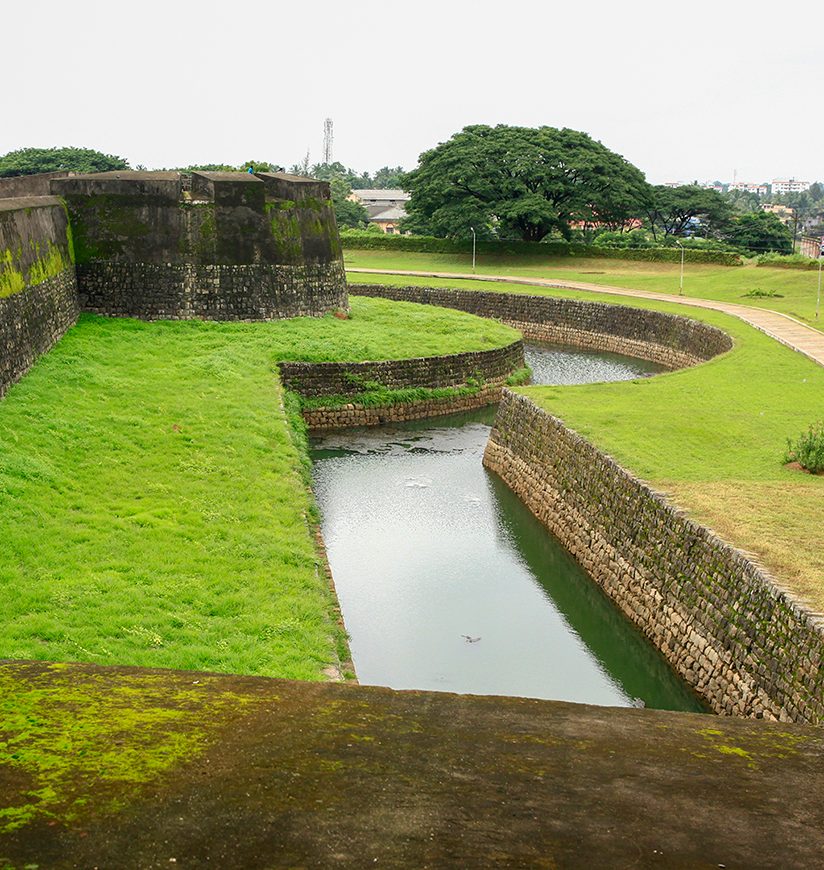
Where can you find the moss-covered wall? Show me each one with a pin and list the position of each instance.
(259, 246)
(38, 291)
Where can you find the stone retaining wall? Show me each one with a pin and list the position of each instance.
(448, 370)
(724, 625)
(667, 339)
(354, 414)
(174, 291)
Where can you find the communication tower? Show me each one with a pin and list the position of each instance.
(328, 139)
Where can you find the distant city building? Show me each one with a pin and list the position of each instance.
(791, 185)
(783, 212)
(748, 186)
(386, 208)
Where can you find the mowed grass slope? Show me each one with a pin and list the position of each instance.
(152, 510)
(713, 437)
(796, 288)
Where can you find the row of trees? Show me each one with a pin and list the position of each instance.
(522, 183)
(30, 161)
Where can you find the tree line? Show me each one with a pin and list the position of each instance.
(507, 182)
(531, 184)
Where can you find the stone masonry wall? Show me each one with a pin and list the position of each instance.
(212, 292)
(489, 368)
(724, 625)
(227, 246)
(38, 291)
(354, 414)
(449, 370)
(670, 340)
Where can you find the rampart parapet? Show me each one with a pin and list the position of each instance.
(227, 246)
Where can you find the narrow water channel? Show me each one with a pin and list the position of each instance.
(446, 580)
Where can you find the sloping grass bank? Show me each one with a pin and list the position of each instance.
(152, 509)
(712, 437)
(789, 291)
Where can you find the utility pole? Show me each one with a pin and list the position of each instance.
(473, 252)
(681, 283)
(818, 296)
(328, 139)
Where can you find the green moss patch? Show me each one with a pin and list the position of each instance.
(80, 743)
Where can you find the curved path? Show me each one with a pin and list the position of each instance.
(782, 327)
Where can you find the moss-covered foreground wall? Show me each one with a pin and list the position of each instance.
(116, 767)
(38, 293)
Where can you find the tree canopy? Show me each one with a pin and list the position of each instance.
(688, 209)
(30, 161)
(520, 182)
(761, 232)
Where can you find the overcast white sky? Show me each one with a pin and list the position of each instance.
(685, 91)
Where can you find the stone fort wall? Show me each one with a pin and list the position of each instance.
(157, 245)
(233, 246)
(38, 291)
(724, 625)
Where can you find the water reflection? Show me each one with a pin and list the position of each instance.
(447, 582)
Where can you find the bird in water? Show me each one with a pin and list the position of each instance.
(469, 639)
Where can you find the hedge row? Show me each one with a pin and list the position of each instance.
(430, 245)
(787, 261)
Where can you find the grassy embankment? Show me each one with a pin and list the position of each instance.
(712, 437)
(796, 288)
(152, 508)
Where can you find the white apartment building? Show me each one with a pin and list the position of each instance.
(790, 185)
(760, 189)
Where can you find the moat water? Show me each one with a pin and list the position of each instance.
(447, 582)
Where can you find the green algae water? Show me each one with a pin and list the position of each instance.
(447, 582)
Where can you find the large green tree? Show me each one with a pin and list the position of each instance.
(687, 210)
(760, 232)
(30, 161)
(520, 182)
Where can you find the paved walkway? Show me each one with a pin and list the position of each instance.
(781, 327)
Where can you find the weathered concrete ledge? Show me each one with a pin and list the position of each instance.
(725, 625)
(670, 340)
(119, 767)
(485, 372)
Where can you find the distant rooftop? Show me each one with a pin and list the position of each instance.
(393, 213)
(388, 194)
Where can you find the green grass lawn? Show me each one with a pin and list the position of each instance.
(712, 437)
(796, 288)
(152, 509)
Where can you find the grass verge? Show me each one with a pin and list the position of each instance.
(789, 291)
(153, 500)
